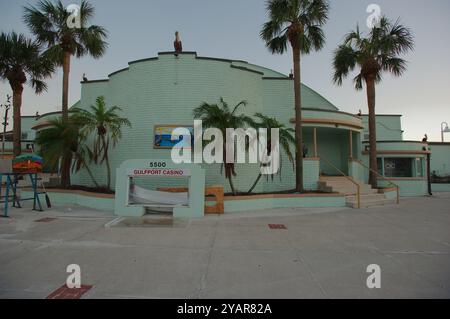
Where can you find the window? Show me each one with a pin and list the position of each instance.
(419, 167)
(398, 167)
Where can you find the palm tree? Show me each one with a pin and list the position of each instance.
(107, 125)
(49, 23)
(299, 23)
(222, 117)
(286, 138)
(377, 53)
(21, 62)
(63, 141)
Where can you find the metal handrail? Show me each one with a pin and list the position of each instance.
(358, 186)
(382, 177)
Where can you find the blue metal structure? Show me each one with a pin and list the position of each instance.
(11, 187)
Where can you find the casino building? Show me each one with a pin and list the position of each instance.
(160, 93)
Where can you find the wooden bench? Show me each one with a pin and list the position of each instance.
(211, 191)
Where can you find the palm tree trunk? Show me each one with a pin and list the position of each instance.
(298, 121)
(65, 90)
(17, 126)
(108, 166)
(256, 183)
(108, 169)
(67, 160)
(230, 181)
(66, 164)
(370, 83)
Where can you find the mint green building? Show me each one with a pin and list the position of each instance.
(163, 91)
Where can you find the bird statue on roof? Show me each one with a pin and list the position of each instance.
(85, 79)
(178, 45)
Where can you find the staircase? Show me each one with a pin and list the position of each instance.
(339, 184)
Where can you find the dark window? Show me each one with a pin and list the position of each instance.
(398, 167)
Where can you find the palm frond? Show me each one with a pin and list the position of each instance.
(294, 21)
(344, 61)
(21, 60)
(48, 22)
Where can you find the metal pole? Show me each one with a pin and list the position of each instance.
(444, 130)
(442, 134)
(430, 191)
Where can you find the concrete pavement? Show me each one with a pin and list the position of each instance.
(324, 253)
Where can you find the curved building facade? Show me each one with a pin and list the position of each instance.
(163, 91)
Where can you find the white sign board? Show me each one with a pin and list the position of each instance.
(159, 172)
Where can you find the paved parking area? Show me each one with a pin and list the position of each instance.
(322, 253)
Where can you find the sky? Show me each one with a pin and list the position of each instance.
(230, 29)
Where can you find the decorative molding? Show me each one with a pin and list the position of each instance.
(94, 81)
(394, 152)
(330, 122)
(406, 179)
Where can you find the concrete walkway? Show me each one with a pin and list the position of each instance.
(324, 253)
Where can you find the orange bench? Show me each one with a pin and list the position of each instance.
(211, 191)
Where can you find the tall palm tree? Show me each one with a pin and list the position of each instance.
(63, 140)
(21, 62)
(48, 21)
(379, 52)
(107, 125)
(299, 23)
(222, 117)
(286, 138)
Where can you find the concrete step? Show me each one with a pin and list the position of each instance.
(332, 178)
(347, 189)
(346, 182)
(370, 203)
(366, 197)
(352, 191)
(341, 185)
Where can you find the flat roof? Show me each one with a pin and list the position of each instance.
(439, 143)
(282, 76)
(391, 115)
